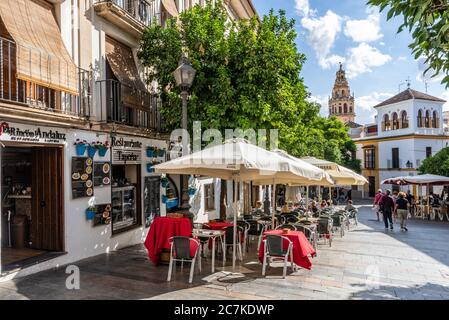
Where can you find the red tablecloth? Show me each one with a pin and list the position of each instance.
(301, 247)
(160, 232)
(218, 225)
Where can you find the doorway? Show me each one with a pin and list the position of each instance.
(32, 203)
(371, 186)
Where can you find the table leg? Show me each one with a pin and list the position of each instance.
(213, 254)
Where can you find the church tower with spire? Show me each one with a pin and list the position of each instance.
(341, 104)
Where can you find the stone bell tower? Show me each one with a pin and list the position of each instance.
(341, 104)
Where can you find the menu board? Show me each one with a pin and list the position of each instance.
(82, 184)
(102, 173)
(103, 215)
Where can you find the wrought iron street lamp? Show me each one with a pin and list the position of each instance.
(184, 76)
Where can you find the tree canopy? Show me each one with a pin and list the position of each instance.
(247, 76)
(437, 164)
(428, 21)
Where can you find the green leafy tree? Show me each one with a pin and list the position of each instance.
(247, 76)
(428, 21)
(436, 164)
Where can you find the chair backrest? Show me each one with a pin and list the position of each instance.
(254, 228)
(229, 234)
(292, 219)
(244, 224)
(307, 232)
(275, 245)
(286, 226)
(181, 247)
(324, 225)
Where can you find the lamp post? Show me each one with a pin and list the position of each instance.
(184, 75)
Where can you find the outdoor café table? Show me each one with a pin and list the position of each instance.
(161, 230)
(212, 235)
(218, 225)
(301, 247)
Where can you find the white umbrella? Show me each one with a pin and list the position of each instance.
(241, 161)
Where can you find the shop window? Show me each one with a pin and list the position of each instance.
(209, 196)
(125, 197)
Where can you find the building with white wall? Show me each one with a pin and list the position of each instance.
(69, 73)
(408, 129)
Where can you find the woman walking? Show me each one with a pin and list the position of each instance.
(401, 210)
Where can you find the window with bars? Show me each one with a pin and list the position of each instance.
(370, 159)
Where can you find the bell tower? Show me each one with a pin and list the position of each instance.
(341, 104)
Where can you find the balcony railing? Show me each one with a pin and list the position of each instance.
(30, 94)
(144, 11)
(129, 106)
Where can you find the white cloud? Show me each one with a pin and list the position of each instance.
(363, 58)
(302, 7)
(364, 106)
(322, 34)
(323, 100)
(402, 58)
(421, 77)
(365, 30)
(445, 96)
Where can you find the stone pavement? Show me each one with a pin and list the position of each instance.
(367, 263)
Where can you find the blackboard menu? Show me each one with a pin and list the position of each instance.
(102, 173)
(82, 184)
(151, 201)
(103, 215)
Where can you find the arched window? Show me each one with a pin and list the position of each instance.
(350, 109)
(339, 109)
(386, 124)
(427, 119)
(343, 93)
(404, 120)
(395, 121)
(435, 120)
(420, 122)
(345, 107)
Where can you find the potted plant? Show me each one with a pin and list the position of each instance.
(150, 165)
(151, 152)
(80, 146)
(91, 150)
(164, 182)
(102, 147)
(161, 152)
(90, 212)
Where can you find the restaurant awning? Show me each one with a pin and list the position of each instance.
(170, 6)
(41, 56)
(121, 60)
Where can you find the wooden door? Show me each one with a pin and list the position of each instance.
(47, 214)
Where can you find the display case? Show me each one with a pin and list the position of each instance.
(123, 207)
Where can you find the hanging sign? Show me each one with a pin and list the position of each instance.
(126, 156)
(24, 133)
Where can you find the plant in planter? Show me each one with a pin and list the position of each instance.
(161, 152)
(164, 182)
(150, 165)
(90, 212)
(102, 147)
(151, 152)
(80, 146)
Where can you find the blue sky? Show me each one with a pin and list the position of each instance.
(377, 59)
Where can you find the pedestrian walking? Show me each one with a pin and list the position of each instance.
(401, 210)
(376, 203)
(387, 206)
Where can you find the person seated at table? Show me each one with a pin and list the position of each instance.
(258, 210)
(329, 203)
(285, 208)
(349, 206)
(314, 207)
(323, 204)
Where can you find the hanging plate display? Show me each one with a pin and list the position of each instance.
(106, 168)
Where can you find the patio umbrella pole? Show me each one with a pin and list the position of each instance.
(428, 200)
(274, 207)
(307, 201)
(234, 235)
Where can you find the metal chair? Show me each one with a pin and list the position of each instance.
(286, 226)
(338, 223)
(265, 226)
(324, 229)
(180, 251)
(309, 233)
(229, 241)
(274, 249)
(353, 216)
(246, 226)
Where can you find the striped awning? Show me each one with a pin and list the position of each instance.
(41, 56)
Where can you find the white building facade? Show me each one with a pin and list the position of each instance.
(408, 129)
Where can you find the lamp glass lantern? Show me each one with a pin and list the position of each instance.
(184, 74)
